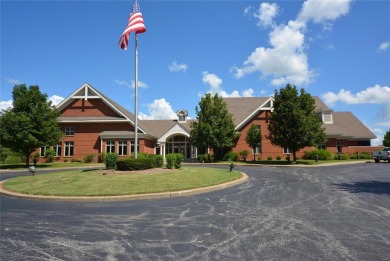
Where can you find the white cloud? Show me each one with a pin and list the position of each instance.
(374, 95)
(159, 110)
(215, 86)
(5, 105)
(266, 14)
(286, 61)
(119, 82)
(13, 81)
(383, 46)
(247, 10)
(55, 99)
(140, 84)
(175, 67)
(379, 134)
(320, 11)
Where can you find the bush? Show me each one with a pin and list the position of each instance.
(13, 159)
(259, 158)
(89, 158)
(278, 158)
(111, 159)
(65, 160)
(363, 155)
(205, 158)
(174, 160)
(322, 155)
(50, 155)
(135, 164)
(244, 154)
(343, 156)
(76, 160)
(269, 158)
(231, 156)
(159, 161)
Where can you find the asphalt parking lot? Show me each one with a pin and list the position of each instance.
(281, 213)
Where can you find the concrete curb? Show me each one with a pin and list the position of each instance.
(190, 192)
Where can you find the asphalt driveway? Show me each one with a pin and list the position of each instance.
(281, 213)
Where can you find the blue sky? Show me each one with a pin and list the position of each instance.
(337, 50)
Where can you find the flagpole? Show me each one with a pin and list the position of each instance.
(136, 99)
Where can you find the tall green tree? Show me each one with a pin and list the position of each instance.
(30, 123)
(214, 127)
(386, 139)
(253, 138)
(294, 124)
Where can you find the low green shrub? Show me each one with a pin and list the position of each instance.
(322, 155)
(362, 155)
(205, 158)
(269, 158)
(278, 158)
(231, 156)
(341, 156)
(76, 160)
(159, 161)
(50, 155)
(244, 154)
(13, 159)
(135, 164)
(174, 160)
(89, 158)
(111, 159)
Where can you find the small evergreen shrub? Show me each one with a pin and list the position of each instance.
(111, 160)
(278, 158)
(135, 164)
(204, 158)
(159, 161)
(342, 156)
(50, 155)
(269, 158)
(322, 155)
(363, 155)
(231, 156)
(76, 160)
(89, 158)
(174, 160)
(259, 158)
(65, 160)
(13, 159)
(244, 154)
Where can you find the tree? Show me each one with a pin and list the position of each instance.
(253, 138)
(214, 127)
(386, 139)
(294, 124)
(31, 122)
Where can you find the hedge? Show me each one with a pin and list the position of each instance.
(135, 164)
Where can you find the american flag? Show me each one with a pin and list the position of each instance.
(135, 24)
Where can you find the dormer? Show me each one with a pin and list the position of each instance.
(327, 117)
(182, 116)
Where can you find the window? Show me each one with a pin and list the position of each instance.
(322, 146)
(43, 151)
(110, 146)
(327, 118)
(57, 149)
(286, 151)
(69, 131)
(69, 148)
(122, 148)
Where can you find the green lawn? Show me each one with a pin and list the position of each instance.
(93, 183)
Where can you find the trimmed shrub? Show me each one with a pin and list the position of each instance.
(76, 160)
(179, 160)
(50, 155)
(174, 160)
(343, 156)
(205, 158)
(159, 161)
(269, 158)
(13, 159)
(111, 159)
(231, 156)
(322, 155)
(278, 157)
(363, 155)
(135, 164)
(89, 158)
(244, 154)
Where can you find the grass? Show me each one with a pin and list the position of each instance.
(92, 183)
(46, 165)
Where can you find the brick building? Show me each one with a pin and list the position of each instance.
(93, 123)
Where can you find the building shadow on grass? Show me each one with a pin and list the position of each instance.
(375, 187)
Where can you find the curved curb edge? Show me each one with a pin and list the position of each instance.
(181, 193)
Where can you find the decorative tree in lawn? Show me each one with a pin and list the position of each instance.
(253, 138)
